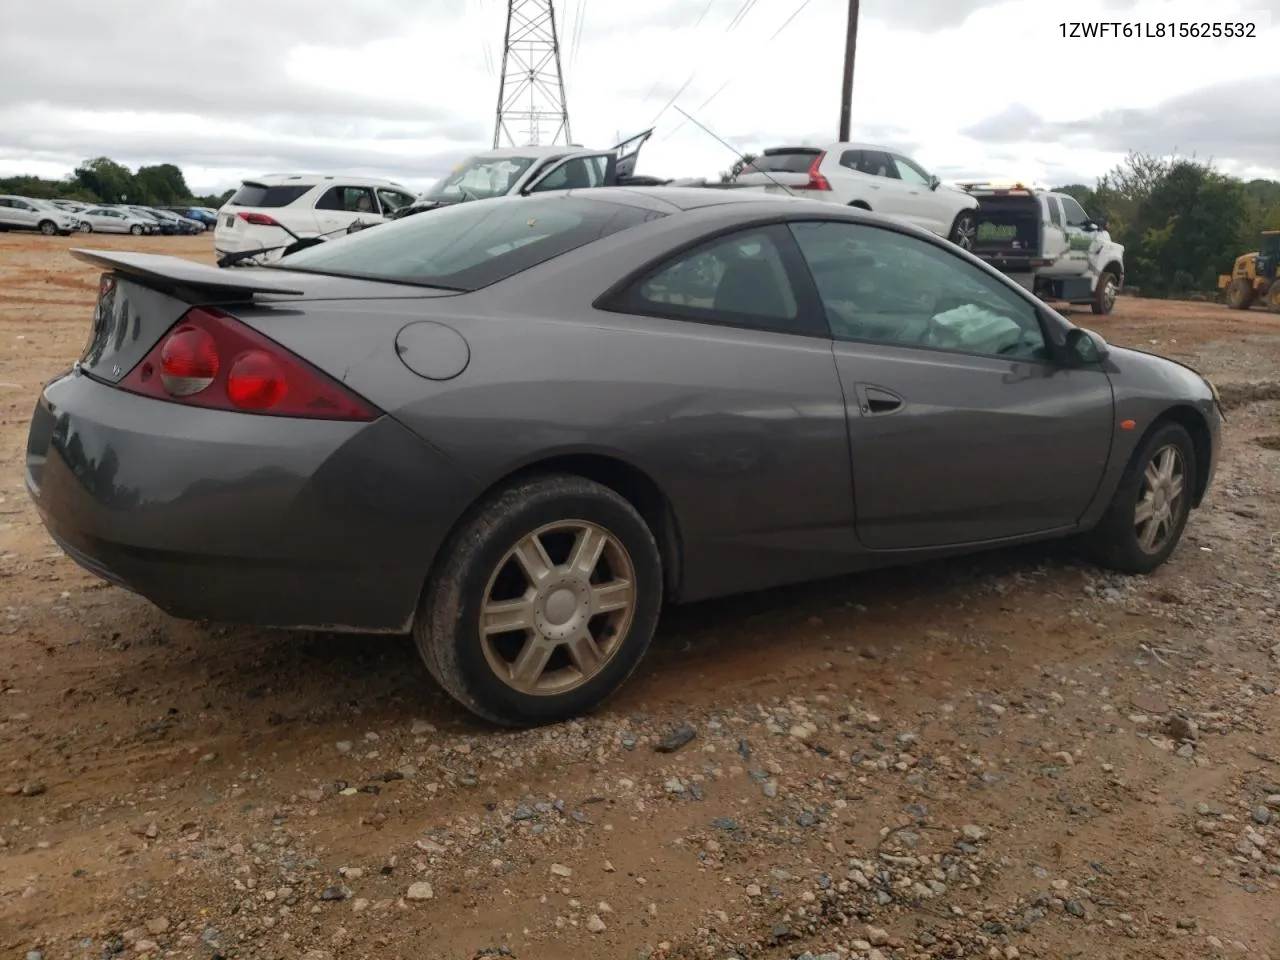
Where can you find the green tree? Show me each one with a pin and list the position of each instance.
(1185, 230)
(104, 178)
(160, 184)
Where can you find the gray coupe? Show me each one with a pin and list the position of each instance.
(514, 428)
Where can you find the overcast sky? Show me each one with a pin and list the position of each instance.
(405, 88)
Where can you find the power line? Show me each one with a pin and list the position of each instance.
(786, 23)
(741, 15)
(724, 86)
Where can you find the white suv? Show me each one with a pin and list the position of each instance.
(871, 177)
(268, 213)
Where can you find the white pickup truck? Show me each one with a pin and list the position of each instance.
(1047, 242)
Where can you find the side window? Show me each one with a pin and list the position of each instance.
(393, 200)
(5, 202)
(1055, 211)
(852, 159)
(881, 286)
(878, 164)
(740, 280)
(347, 199)
(1076, 217)
(576, 174)
(909, 172)
(23, 205)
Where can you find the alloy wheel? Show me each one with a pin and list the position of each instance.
(1159, 505)
(557, 608)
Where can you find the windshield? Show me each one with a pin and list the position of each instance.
(479, 178)
(467, 246)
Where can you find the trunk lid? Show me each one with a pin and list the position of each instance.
(142, 296)
(778, 168)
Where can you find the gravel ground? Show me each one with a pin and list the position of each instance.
(1007, 756)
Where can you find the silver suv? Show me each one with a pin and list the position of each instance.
(26, 213)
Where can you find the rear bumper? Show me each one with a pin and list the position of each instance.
(241, 519)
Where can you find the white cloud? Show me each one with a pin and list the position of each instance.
(406, 87)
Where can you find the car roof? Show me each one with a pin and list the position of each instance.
(313, 179)
(829, 148)
(537, 152)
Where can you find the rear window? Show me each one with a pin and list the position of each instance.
(467, 246)
(784, 161)
(260, 195)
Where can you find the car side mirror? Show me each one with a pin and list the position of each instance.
(934, 182)
(1084, 347)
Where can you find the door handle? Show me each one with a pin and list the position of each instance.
(876, 401)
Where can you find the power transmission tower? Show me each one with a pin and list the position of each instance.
(531, 89)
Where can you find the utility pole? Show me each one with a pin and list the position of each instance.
(846, 92)
(531, 87)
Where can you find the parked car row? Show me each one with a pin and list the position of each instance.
(64, 217)
(1044, 240)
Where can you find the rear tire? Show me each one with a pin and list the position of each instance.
(965, 230)
(48, 228)
(576, 653)
(1240, 293)
(136, 230)
(1104, 294)
(1156, 489)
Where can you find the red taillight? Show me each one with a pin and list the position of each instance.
(212, 360)
(258, 219)
(188, 361)
(256, 381)
(816, 180)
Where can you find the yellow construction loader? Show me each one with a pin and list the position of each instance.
(1256, 276)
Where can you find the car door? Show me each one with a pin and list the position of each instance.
(8, 216)
(1057, 242)
(756, 437)
(342, 205)
(1084, 241)
(919, 202)
(24, 214)
(962, 429)
(627, 155)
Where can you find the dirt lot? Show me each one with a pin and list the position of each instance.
(1008, 756)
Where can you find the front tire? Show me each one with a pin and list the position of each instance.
(136, 230)
(964, 232)
(86, 227)
(1149, 511)
(1239, 295)
(544, 603)
(48, 228)
(1105, 293)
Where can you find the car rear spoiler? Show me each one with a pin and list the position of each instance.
(171, 272)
